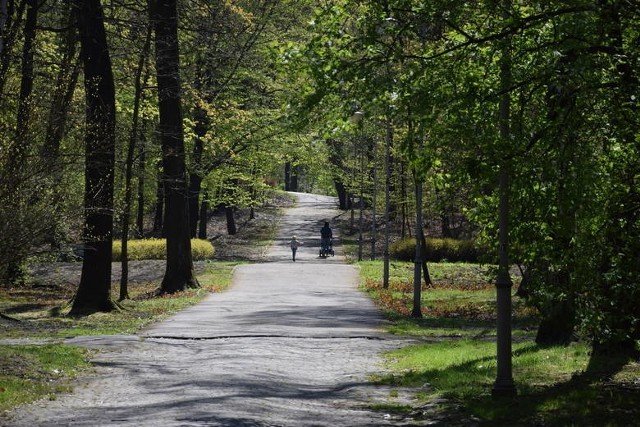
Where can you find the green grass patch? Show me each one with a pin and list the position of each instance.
(557, 386)
(42, 311)
(29, 373)
(145, 249)
(459, 303)
(553, 383)
(145, 307)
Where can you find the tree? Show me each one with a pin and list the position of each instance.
(94, 291)
(179, 274)
(140, 80)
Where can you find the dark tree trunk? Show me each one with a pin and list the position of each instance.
(557, 326)
(18, 150)
(128, 190)
(204, 216)
(94, 292)
(195, 185)
(179, 274)
(141, 182)
(10, 31)
(197, 171)
(158, 221)
(287, 176)
(336, 160)
(232, 229)
(405, 227)
(425, 267)
(294, 179)
(343, 197)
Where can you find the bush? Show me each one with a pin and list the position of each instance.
(437, 250)
(156, 249)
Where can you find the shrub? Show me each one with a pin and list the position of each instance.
(437, 250)
(156, 249)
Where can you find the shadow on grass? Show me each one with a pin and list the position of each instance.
(587, 398)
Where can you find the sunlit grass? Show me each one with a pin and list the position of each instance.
(44, 311)
(28, 373)
(34, 372)
(458, 362)
(147, 249)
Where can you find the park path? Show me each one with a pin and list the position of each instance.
(289, 344)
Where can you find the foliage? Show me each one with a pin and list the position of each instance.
(156, 249)
(436, 250)
(439, 72)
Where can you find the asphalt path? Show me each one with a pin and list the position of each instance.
(289, 344)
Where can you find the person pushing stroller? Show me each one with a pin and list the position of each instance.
(326, 236)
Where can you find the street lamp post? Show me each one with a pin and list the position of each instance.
(356, 118)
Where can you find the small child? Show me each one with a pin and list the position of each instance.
(294, 243)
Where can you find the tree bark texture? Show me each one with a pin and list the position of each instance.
(95, 284)
(128, 176)
(179, 274)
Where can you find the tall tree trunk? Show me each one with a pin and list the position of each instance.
(65, 87)
(94, 291)
(179, 274)
(195, 183)
(128, 190)
(387, 201)
(416, 312)
(142, 165)
(232, 229)
(337, 163)
(204, 216)
(10, 31)
(4, 17)
(417, 279)
(18, 150)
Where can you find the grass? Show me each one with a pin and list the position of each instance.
(28, 373)
(42, 311)
(559, 385)
(459, 303)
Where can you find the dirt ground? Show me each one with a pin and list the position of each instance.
(248, 244)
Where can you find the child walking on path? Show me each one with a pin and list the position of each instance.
(294, 243)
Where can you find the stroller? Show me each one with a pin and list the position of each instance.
(326, 247)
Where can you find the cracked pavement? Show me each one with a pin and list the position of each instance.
(289, 344)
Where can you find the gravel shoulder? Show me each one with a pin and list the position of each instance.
(289, 344)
